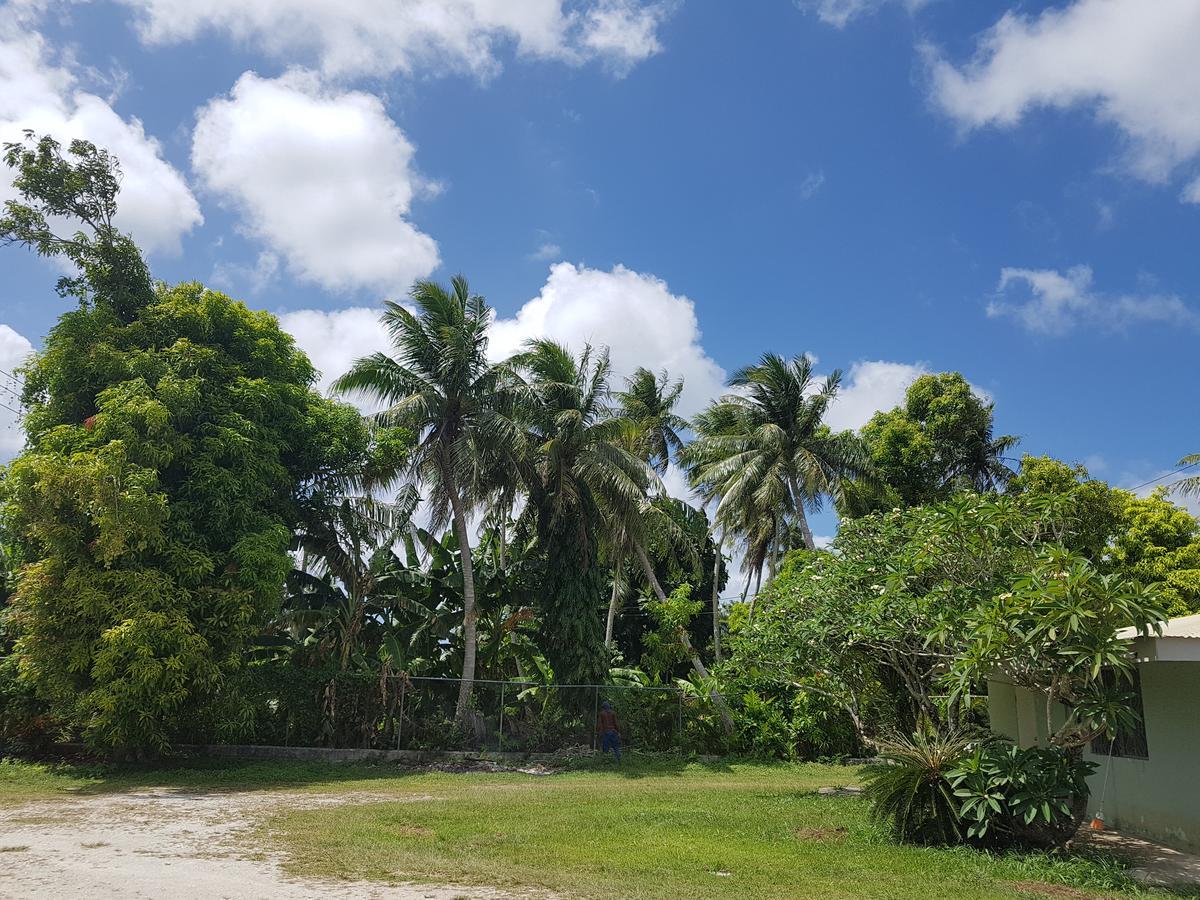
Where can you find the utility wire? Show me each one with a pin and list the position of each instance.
(1161, 477)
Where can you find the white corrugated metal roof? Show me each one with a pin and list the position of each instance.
(1184, 627)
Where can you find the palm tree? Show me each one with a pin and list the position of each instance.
(766, 454)
(1190, 486)
(648, 403)
(441, 386)
(578, 476)
(648, 407)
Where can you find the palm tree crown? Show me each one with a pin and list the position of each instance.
(648, 403)
(580, 480)
(765, 452)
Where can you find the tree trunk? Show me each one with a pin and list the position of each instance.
(612, 607)
(469, 611)
(686, 643)
(754, 599)
(805, 531)
(716, 604)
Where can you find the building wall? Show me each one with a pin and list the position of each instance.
(1157, 797)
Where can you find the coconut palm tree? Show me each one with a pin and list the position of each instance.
(1190, 486)
(578, 475)
(648, 406)
(766, 454)
(439, 384)
(648, 403)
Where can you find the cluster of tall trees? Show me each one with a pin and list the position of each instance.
(189, 515)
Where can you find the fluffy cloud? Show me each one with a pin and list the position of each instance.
(1056, 302)
(324, 178)
(334, 339)
(839, 13)
(1134, 64)
(40, 94)
(632, 313)
(869, 387)
(14, 348)
(379, 37)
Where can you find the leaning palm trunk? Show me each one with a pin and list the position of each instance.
(469, 611)
(801, 518)
(716, 603)
(686, 642)
(613, 602)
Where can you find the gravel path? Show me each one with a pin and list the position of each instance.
(171, 844)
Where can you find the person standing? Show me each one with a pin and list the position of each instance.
(610, 730)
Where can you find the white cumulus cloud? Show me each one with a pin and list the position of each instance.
(1046, 301)
(380, 37)
(867, 388)
(41, 93)
(1134, 64)
(14, 350)
(323, 177)
(334, 339)
(632, 313)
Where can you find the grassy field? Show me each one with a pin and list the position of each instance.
(649, 830)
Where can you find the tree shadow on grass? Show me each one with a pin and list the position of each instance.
(201, 775)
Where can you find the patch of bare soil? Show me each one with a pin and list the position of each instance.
(1045, 889)
(177, 844)
(821, 835)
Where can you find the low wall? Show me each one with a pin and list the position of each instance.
(352, 755)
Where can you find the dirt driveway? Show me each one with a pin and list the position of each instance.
(170, 844)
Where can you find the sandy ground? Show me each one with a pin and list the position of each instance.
(1150, 863)
(170, 844)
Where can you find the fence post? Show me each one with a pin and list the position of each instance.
(501, 741)
(595, 715)
(400, 722)
(679, 730)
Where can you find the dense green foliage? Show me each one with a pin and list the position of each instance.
(909, 788)
(1019, 795)
(171, 432)
(938, 442)
(165, 460)
(947, 787)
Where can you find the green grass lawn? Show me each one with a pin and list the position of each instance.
(648, 830)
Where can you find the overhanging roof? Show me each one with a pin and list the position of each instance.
(1179, 641)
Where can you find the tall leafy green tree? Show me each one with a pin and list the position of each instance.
(440, 385)
(170, 432)
(940, 440)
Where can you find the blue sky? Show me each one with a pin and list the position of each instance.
(1005, 189)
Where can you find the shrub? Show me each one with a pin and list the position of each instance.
(909, 789)
(762, 728)
(1012, 795)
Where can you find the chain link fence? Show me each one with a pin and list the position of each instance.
(405, 712)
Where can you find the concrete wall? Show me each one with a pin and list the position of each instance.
(1158, 797)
